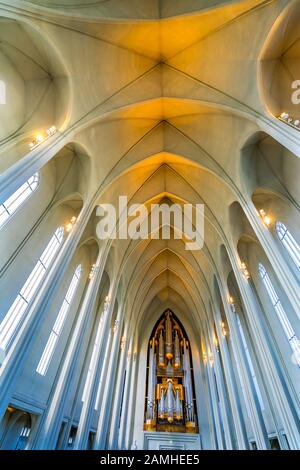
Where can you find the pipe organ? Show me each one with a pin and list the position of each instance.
(170, 401)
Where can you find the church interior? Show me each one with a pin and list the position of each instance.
(130, 344)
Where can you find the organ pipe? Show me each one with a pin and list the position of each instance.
(170, 401)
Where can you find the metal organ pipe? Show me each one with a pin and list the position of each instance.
(188, 385)
(177, 351)
(169, 339)
(170, 401)
(161, 350)
(151, 383)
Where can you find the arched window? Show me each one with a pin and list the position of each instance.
(18, 309)
(10, 206)
(288, 242)
(251, 367)
(93, 360)
(59, 323)
(285, 323)
(2, 92)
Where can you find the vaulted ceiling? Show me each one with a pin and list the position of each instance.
(162, 97)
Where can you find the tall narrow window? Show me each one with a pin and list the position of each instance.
(252, 371)
(18, 309)
(288, 242)
(10, 206)
(92, 364)
(285, 323)
(103, 374)
(2, 92)
(59, 323)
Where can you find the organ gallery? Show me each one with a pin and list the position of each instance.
(170, 401)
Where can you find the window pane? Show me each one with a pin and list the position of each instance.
(282, 316)
(17, 198)
(17, 311)
(288, 242)
(59, 323)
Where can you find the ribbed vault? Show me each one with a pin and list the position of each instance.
(164, 102)
(163, 127)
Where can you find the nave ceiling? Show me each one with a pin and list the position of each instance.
(163, 101)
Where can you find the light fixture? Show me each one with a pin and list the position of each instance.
(51, 131)
(123, 342)
(69, 225)
(92, 271)
(41, 137)
(204, 355)
(116, 326)
(264, 217)
(284, 116)
(216, 343)
(245, 270)
(290, 120)
(231, 303)
(223, 329)
(106, 302)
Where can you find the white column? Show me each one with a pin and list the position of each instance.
(48, 429)
(130, 418)
(239, 423)
(23, 341)
(90, 398)
(222, 394)
(286, 279)
(214, 398)
(108, 390)
(262, 345)
(12, 178)
(119, 401)
(256, 418)
(124, 414)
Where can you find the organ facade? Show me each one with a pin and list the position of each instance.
(170, 399)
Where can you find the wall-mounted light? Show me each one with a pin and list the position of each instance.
(116, 326)
(69, 225)
(231, 303)
(223, 329)
(123, 342)
(92, 271)
(41, 137)
(290, 120)
(106, 302)
(264, 217)
(245, 270)
(51, 131)
(216, 343)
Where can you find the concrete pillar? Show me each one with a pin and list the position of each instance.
(89, 403)
(49, 426)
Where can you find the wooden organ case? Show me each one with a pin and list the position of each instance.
(170, 403)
